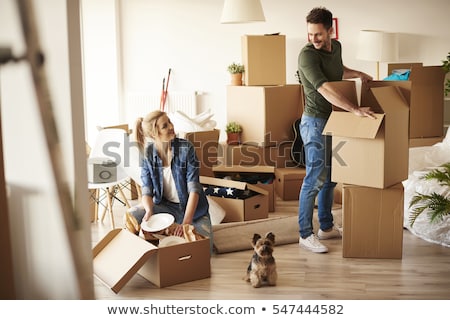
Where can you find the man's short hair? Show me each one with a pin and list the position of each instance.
(320, 15)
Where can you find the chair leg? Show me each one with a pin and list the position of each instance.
(93, 204)
(105, 207)
(139, 191)
(109, 195)
(125, 200)
(111, 214)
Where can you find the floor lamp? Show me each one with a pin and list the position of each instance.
(378, 46)
(242, 11)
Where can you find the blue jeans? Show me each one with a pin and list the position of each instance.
(317, 181)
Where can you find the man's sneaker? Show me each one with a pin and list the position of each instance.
(313, 244)
(333, 233)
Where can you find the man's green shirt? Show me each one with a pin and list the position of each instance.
(316, 67)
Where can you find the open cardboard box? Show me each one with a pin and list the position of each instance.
(370, 152)
(252, 208)
(121, 254)
(424, 93)
(266, 173)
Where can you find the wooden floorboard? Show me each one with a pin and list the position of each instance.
(423, 273)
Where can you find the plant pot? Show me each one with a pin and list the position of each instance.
(233, 138)
(236, 79)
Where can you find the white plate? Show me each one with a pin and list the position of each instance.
(171, 241)
(157, 222)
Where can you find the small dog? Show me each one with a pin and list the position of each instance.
(262, 268)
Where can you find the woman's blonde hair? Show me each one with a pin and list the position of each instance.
(146, 127)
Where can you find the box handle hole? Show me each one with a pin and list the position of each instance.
(184, 258)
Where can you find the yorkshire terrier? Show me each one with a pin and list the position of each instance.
(262, 269)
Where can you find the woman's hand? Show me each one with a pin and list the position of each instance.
(147, 216)
(179, 231)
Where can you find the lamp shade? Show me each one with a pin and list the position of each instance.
(377, 46)
(241, 11)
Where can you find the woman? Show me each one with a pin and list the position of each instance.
(170, 176)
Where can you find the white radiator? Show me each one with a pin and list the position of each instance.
(138, 104)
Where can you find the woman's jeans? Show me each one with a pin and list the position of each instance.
(202, 225)
(317, 181)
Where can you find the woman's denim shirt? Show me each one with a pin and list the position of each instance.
(185, 171)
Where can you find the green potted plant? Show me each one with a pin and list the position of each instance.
(446, 67)
(436, 205)
(236, 70)
(233, 130)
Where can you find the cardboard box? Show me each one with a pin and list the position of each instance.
(250, 155)
(243, 172)
(266, 113)
(372, 222)
(121, 254)
(424, 93)
(206, 145)
(424, 142)
(368, 152)
(264, 59)
(252, 208)
(288, 182)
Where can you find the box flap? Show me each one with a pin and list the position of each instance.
(239, 168)
(231, 184)
(348, 89)
(404, 65)
(346, 124)
(119, 256)
(390, 99)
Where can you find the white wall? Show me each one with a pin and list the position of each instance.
(44, 267)
(101, 65)
(187, 37)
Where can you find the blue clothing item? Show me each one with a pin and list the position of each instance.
(185, 171)
(398, 75)
(317, 181)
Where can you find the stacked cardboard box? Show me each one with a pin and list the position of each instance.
(266, 107)
(370, 159)
(264, 59)
(266, 113)
(206, 144)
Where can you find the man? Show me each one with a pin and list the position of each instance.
(319, 63)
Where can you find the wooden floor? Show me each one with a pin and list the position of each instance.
(423, 273)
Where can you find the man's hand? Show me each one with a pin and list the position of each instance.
(365, 77)
(364, 112)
